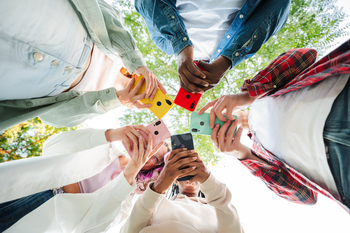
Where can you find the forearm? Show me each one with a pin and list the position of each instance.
(142, 211)
(164, 24)
(220, 197)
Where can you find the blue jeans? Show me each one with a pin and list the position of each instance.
(337, 140)
(12, 211)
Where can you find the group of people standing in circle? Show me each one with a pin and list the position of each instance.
(61, 61)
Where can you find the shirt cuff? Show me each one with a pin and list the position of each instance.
(132, 60)
(109, 99)
(98, 137)
(150, 199)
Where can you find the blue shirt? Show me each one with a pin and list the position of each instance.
(254, 24)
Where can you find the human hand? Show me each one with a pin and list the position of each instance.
(179, 158)
(127, 134)
(215, 71)
(227, 104)
(152, 83)
(201, 172)
(228, 144)
(128, 97)
(190, 76)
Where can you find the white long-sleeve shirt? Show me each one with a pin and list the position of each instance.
(70, 157)
(154, 213)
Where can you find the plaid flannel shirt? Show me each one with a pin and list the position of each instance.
(292, 71)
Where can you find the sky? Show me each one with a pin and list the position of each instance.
(259, 208)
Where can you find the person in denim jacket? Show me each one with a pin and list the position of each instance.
(221, 34)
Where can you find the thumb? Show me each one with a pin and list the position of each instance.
(130, 84)
(238, 134)
(205, 66)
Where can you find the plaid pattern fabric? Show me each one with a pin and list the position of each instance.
(282, 179)
(281, 71)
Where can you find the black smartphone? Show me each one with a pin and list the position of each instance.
(184, 140)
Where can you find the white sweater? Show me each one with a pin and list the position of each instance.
(70, 157)
(154, 213)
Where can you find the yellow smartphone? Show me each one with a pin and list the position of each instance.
(161, 103)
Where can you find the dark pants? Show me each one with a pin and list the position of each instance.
(337, 140)
(12, 211)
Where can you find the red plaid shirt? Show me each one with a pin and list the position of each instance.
(292, 71)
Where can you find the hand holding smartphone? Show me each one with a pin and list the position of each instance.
(199, 124)
(182, 141)
(186, 99)
(161, 103)
(159, 131)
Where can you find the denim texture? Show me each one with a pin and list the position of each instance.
(337, 140)
(254, 24)
(12, 211)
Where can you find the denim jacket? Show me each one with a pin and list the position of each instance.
(254, 24)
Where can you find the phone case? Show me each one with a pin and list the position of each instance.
(182, 141)
(161, 103)
(188, 100)
(199, 124)
(159, 131)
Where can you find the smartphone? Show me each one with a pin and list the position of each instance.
(186, 99)
(199, 124)
(182, 141)
(161, 103)
(159, 131)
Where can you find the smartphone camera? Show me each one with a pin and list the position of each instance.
(201, 123)
(188, 96)
(194, 130)
(159, 103)
(156, 132)
(158, 123)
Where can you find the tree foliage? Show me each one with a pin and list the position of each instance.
(26, 139)
(311, 23)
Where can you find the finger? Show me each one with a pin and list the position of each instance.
(185, 162)
(142, 106)
(182, 154)
(206, 106)
(156, 149)
(185, 171)
(139, 97)
(174, 152)
(130, 84)
(214, 135)
(192, 75)
(141, 147)
(188, 86)
(230, 133)
(149, 85)
(133, 139)
(229, 111)
(161, 87)
(141, 127)
(205, 66)
(238, 134)
(127, 141)
(153, 94)
(221, 135)
(149, 146)
(196, 71)
(137, 87)
(218, 109)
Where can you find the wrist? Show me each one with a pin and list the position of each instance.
(129, 175)
(108, 135)
(156, 187)
(224, 62)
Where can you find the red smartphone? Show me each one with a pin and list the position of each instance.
(186, 99)
(159, 131)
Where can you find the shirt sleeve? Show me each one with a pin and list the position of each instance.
(165, 26)
(219, 196)
(281, 182)
(105, 27)
(280, 72)
(64, 110)
(74, 141)
(142, 211)
(106, 206)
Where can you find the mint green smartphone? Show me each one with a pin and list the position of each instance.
(199, 124)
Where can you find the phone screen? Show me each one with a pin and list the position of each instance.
(182, 141)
